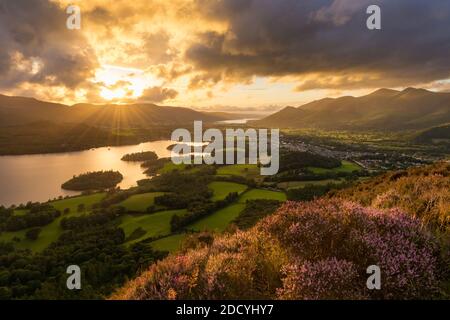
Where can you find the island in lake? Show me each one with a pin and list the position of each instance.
(140, 156)
(93, 181)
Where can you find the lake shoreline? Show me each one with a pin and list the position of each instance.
(38, 177)
(9, 154)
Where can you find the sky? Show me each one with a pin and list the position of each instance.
(220, 54)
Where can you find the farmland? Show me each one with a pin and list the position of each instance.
(140, 202)
(255, 194)
(243, 170)
(220, 219)
(222, 189)
(52, 231)
(346, 167)
(154, 225)
(171, 243)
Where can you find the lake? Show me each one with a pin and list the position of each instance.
(236, 121)
(39, 177)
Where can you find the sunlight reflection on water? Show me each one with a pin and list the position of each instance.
(39, 177)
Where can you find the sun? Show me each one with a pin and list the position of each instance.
(122, 82)
(108, 94)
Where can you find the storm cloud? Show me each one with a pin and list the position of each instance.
(36, 47)
(325, 43)
(213, 51)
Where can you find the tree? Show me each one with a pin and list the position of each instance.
(81, 207)
(33, 234)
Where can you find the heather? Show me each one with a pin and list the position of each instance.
(423, 192)
(314, 250)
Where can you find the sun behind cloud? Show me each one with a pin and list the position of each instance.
(123, 83)
(208, 53)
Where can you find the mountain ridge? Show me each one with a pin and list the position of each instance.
(383, 109)
(21, 110)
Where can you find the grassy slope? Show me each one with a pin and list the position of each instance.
(220, 219)
(156, 224)
(20, 212)
(255, 194)
(171, 243)
(346, 166)
(140, 202)
(421, 191)
(170, 166)
(52, 231)
(222, 189)
(244, 170)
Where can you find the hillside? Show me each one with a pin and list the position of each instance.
(321, 249)
(30, 126)
(384, 109)
(437, 135)
(423, 192)
(226, 116)
(20, 110)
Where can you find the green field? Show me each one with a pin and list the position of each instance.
(20, 212)
(72, 203)
(170, 166)
(243, 170)
(140, 202)
(52, 231)
(220, 219)
(255, 194)
(171, 243)
(300, 184)
(159, 223)
(155, 224)
(346, 167)
(221, 189)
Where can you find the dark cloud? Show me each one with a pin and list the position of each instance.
(101, 15)
(158, 94)
(326, 38)
(36, 46)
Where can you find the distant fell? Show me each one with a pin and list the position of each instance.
(21, 110)
(384, 109)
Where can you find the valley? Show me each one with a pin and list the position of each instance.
(161, 210)
(214, 152)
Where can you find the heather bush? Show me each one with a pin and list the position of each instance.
(324, 279)
(321, 230)
(426, 197)
(245, 265)
(423, 192)
(176, 277)
(238, 266)
(315, 250)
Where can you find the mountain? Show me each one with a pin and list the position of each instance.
(29, 126)
(383, 109)
(226, 116)
(435, 135)
(21, 110)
